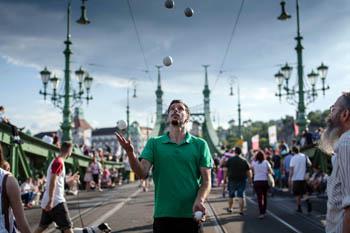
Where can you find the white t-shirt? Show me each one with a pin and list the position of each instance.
(260, 170)
(27, 187)
(2, 216)
(55, 167)
(298, 161)
(47, 139)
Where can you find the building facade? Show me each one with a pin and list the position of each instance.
(104, 138)
(82, 129)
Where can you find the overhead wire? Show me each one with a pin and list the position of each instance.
(229, 42)
(138, 38)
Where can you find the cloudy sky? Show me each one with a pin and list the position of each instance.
(32, 35)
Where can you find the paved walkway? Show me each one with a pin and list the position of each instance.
(129, 209)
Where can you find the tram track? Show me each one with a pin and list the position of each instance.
(214, 218)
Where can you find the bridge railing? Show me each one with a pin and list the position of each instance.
(34, 155)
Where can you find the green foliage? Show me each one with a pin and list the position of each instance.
(318, 118)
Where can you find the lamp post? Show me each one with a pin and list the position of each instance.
(128, 108)
(82, 78)
(232, 81)
(285, 73)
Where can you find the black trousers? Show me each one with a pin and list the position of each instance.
(178, 225)
(14, 128)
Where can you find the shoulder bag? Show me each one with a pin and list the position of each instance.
(270, 179)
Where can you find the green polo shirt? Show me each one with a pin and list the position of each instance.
(176, 173)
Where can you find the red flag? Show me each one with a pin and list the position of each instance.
(296, 129)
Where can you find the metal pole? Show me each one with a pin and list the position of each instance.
(159, 94)
(127, 115)
(67, 115)
(301, 118)
(239, 112)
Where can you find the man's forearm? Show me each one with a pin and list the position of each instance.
(204, 191)
(136, 166)
(52, 188)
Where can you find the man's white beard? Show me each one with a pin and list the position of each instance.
(329, 137)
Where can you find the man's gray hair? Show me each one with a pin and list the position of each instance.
(345, 103)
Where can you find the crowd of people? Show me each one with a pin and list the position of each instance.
(182, 168)
(98, 177)
(268, 171)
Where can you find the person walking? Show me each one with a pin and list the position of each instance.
(54, 206)
(261, 168)
(286, 169)
(181, 173)
(11, 204)
(88, 177)
(227, 155)
(96, 171)
(298, 164)
(336, 139)
(277, 164)
(237, 170)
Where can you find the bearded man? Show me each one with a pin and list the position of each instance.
(336, 139)
(181, 173)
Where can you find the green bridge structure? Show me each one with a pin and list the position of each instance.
(34, 155)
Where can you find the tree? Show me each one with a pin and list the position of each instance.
(318, 118)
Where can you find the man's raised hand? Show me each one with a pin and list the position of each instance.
(127, 146)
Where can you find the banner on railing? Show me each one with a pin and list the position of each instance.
(255, 142)
(245, 147)
(272, 134)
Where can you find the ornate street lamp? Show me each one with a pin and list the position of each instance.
(323, 71)
(68, 93)
(286, 71)
(232, 81)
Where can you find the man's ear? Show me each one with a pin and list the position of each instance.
(345, 115)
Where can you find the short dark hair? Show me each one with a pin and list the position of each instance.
(65, 147)
(238, 150)
(1, 107)
(187, 109)
(295, 149)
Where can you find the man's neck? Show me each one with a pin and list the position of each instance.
(62, 156)
(177, 133)
(344, 130)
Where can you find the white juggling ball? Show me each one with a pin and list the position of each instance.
(168, 61)
(198, 215)
(121, 125)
